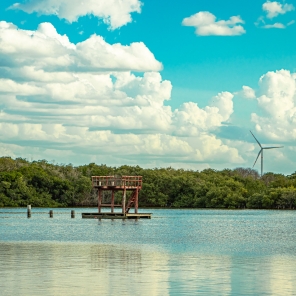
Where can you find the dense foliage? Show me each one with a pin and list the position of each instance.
(44, 184)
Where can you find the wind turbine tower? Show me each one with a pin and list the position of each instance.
(261, 152)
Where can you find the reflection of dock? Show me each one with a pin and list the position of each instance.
(108, 188)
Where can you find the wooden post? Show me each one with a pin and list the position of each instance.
(99, 200)
(29, 211)
(136, 201)
(51, 214)
(112, 201)
(72, 214)
(123, 201)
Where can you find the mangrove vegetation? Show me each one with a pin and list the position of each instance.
(44, 184)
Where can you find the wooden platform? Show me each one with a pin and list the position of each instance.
(116, 215)
(117, 183)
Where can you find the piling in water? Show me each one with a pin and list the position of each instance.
(29, 211)
(72, 214)
(51, 214)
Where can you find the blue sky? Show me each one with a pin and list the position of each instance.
(144, 82)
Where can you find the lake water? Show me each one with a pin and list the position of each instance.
(177, 252)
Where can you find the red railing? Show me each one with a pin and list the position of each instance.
(118, 182)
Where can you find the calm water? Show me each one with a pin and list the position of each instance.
(177, 252)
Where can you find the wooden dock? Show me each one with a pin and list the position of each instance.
(116, 215)
(117, 192)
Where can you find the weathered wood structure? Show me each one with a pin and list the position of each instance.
(128, 186)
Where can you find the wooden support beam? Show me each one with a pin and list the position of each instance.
(136, 201)
(112, 201)
(123, 201)
(99, 200)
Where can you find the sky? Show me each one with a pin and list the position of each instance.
(149, 83)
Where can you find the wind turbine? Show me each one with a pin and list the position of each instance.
(261, 152)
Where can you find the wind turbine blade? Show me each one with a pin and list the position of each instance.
(256, 139)
(257, 157)
(273, 147)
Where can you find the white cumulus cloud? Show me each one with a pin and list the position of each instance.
(206, 24)
(95, 101)
(248, 92)
(87, 100)
(274, 26)
(274, 8)
(115, 13)
(190, 120)
(278, 101)
(48, 50)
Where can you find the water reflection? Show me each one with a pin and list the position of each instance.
(80, 269)
(283, 276)
(202, 275)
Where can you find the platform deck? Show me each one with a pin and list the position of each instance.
(116, 215)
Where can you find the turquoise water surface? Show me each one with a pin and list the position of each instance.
(177, 252)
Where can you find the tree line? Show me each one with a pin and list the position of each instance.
(44, 184)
